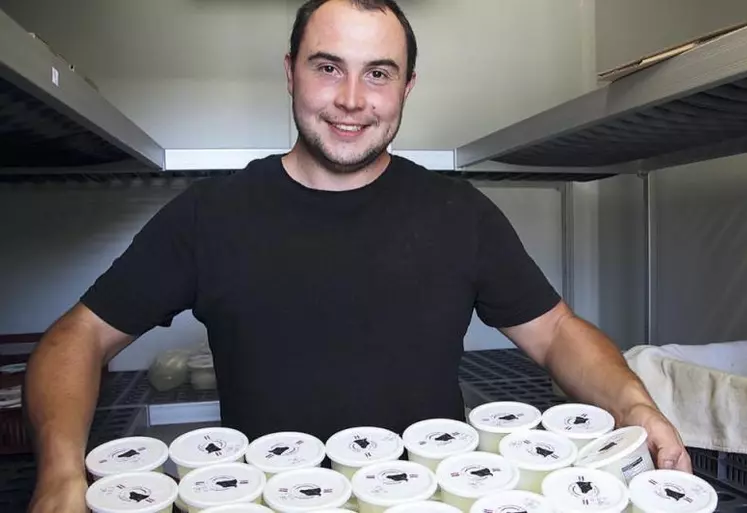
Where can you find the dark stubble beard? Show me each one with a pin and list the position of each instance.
(314, 145)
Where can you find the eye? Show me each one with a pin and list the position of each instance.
(378, 74)
(327, 68)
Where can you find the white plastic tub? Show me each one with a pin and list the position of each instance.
(424, 507)
(310, 489)
(537, 453)
(431, 441)
(585, 490)
(512, 501)
(465, 478)
(219, 485)
(239, 508)
(497, 419)
(351, 449)
(582, 423)
(207, 446)
(671, 491)
(623, 453)
(385, 485)
(134, 492)
(281, 452)
(125, 455)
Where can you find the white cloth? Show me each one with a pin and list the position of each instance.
(701, 389)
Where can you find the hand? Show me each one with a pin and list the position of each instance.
(58, 494)
(664, 441)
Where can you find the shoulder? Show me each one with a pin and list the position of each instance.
(450, 187)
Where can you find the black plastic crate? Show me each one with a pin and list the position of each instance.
(730, 500)
(114, 385)
(139, 394)
(735, 473)
(113, 423)
(705, 462)
(532, 391)
(183, 394)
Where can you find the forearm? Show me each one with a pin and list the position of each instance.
(60, 394)
(589, 367)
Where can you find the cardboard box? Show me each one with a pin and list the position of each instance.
(665, 54)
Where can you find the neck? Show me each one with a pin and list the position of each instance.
(308, 171)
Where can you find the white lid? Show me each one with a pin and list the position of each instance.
(134, 454)
(476, 474)
(214, 485)
(133, 492)
(424, 507)
(578, 421)
(357, 447)
(307, 489)
(208, 446)
(440, 438)
(239, 508)
(512, 501)
(672, 491)
(534, 449)
(505, 417)
(394, 482)
(612, 447)
(280, 452)
(581, 490)
(200, 361)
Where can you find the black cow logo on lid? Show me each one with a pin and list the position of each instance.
(128, 454)
(312, 492)
(137, 497)
(212, 448)
(608, 447)
(483, 472)
(228, 483)
(446, 437)
(363, 443)
(580, 420)
(509, 417)
(544, 452)
(398, 478)
(674, 494)
(279, 451)
(584, 486)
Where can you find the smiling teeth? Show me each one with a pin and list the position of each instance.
(349, 128)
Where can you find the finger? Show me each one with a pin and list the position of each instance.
(671, 457)
(685, 463)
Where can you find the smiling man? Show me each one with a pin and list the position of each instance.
(336, 282)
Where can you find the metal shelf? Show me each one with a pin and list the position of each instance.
(51, 116)
(690, 108)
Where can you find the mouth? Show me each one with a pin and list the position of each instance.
(346, 130)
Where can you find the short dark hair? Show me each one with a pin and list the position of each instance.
(307, 9)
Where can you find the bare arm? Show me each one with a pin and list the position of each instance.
(61, 390)
(589, 367)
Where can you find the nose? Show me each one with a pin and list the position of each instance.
(350, 95)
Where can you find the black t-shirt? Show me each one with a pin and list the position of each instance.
(327, 310)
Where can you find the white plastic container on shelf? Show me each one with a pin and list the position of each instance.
(134, 492)
(671, 491)
(281, 452)
(385, 485)
(424, 507)
(497, 419)
(353, 448)
(468, 477)
(512, 501)
(125, 455)
(207, 446)
(239, 508)
(429, 442)
(309, 489)
(582, 423)
(585, 490)
(222, 484)
(537, 453)
(623, 453)
(202, 372)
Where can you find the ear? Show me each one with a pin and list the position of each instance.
(410, 84)
(289, 73)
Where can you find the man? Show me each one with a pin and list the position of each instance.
(336, 282)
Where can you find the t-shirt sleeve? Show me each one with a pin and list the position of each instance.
(511, 288)
(155, 278)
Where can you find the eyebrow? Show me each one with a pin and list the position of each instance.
(337, 59)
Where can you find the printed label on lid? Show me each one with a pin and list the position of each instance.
(315, 488)
(479, 476)
(446, 440)
(132, 492)
(514, 501)
(508, 415)
(668, 490)
(394, 482)
(285, 451)
(581, 419)
(576, 489)
(221, 483)
(361, 445)
(587, 493)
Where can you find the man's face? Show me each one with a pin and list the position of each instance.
(349, 84)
